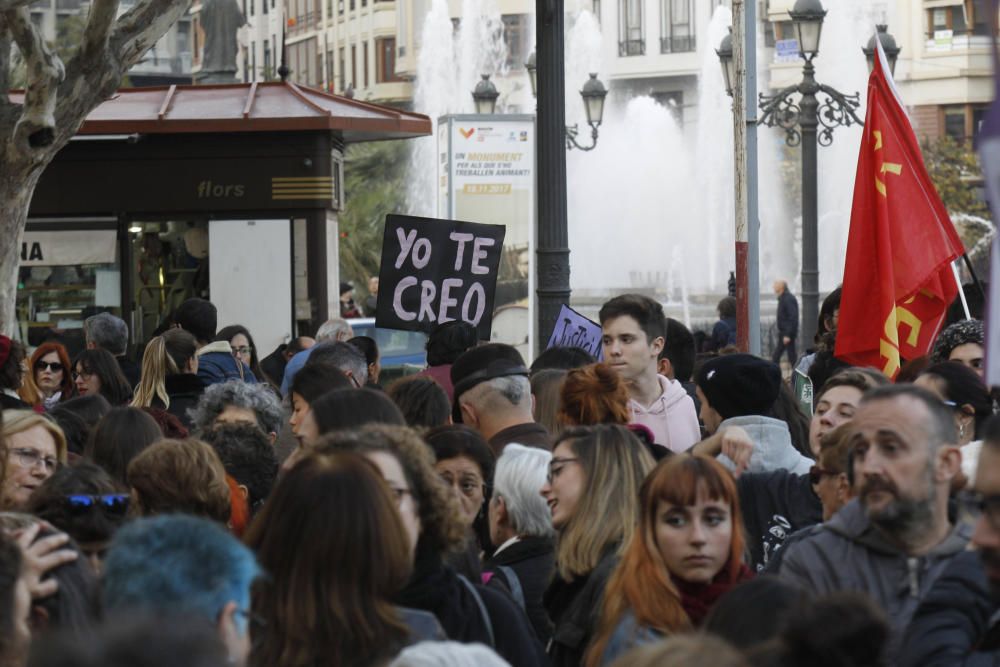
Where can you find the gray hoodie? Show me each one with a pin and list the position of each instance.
(848, 553)
(772, 446)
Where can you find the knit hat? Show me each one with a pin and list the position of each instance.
(739, 385)
(5, 345)
(959, 333)
(479, 364)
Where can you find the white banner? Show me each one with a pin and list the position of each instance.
(70, 248)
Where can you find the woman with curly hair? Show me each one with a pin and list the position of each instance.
(467, 611)
(685, 554)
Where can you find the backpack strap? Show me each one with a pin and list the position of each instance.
(514, 584)
(482, 609)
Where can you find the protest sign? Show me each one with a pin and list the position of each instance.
(574, 330)
(437, 271)
(803, 388)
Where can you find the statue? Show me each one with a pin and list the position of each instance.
(220, 20)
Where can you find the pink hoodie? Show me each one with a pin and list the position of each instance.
(671, 417)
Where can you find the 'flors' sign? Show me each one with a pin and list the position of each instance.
(437, 271)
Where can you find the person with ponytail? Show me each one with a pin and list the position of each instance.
(685, 553)
(170, 375)
(594, 394)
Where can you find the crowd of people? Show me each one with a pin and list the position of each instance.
(659, 506)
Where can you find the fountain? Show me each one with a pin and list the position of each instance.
(652, 206)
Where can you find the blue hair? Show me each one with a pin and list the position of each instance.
(178, 564)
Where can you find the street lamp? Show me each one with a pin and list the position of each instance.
(808, 122)
(593, 95)
(485, 96)
(725, 53)
(889, 46)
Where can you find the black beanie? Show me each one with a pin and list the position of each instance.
(739, 385)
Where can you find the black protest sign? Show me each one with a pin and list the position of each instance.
(437, 271)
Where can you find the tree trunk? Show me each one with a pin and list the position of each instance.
(16, 188)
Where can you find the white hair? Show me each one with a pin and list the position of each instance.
(333, 330)
(499, 394)
(518, 479)
(448, 654)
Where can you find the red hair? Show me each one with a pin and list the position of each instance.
(641, 582)
(66, 387)
(239, 515)
(594, 394)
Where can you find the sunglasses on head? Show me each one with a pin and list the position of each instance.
(54, 366)
(112, 504)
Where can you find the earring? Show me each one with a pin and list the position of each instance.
(961, 430)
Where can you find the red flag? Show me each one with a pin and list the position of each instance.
(898, 280)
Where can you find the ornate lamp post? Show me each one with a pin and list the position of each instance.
(485, 96)
(593, 95)
(807, 122)
(888, 45)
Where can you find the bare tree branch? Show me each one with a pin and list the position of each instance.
(102, 17)
(36, 127)
(138, 30)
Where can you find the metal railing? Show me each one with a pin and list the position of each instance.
(682, 44)
(632, 47)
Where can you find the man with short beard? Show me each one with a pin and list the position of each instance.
(958, 622)
(895, 539)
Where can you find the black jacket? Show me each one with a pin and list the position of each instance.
(788, 315)
(8, 402)
(956, 623)
(775, 504)
(130, 370)
(435, 587)
(184, 390)
(533, 561)
(575, 609)
(273, 366)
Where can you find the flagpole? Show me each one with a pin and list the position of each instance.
(961, 290)
(972, 272)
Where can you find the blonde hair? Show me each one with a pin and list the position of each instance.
(166, 354)
(18, 421)
(615, 464)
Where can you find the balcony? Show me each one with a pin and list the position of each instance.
(632, 47)
(681, 44)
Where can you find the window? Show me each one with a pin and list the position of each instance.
(353, 5)
(961, 19)
(364, 50)
(961, 121)
(596, 8)
(253, 61)
(329, 71)
(676, 26)
(341, 68)
(385, 60)
(268, 72)
(252, 3)
(631, 40)
(354, 66)
(515, 36)
(263, 7)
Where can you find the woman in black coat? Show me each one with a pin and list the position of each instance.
(169, 375)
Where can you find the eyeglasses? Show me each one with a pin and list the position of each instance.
(111, 504)
(975, 504)
(80, 374)
(242, 349)
(556, 466)
(817, 473)
(54, 366)
(29, 458)
(467, 485)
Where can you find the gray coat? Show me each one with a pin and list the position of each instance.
(849, 554)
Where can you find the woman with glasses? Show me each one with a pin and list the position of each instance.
(467, 611)
(85, 503)
(963, 390)
(50, 371)
(685, 554)
(465, 462)
(333, 572)
(97, 372)
(592, 491)
(35, 448)
(239, 338)
(169, 378)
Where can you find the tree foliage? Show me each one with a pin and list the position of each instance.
(954, 169)
(376, 186)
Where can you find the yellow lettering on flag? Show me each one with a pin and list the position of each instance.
(885, 167)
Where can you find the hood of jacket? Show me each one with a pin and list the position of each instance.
(772, 446)
(673, 393)
(852, 522)
(216, 346)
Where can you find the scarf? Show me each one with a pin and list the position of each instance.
(697, 598)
